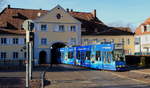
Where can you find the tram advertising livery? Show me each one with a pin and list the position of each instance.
(101, 56)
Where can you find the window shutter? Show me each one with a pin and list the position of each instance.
(21, 41)
(46, 27)
(7, 40)
(69, 29)
(11, 40)
(56, 28)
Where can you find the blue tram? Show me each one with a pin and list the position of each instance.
(101, 56)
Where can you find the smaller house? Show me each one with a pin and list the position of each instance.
(142, 37)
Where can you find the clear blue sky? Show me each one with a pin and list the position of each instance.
(112, 12)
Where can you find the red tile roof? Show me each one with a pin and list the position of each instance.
(138, 30)
(11, 20)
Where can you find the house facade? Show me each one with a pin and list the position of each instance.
(54, 29)
(142, 38)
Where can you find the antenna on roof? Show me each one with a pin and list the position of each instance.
(9, 6)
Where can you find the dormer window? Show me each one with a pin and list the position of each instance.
(145, 28)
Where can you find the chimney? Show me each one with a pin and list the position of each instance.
(8, 6)
(94, 13)
(71, 10)
(67, 9)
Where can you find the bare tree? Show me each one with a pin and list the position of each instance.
(122, 24)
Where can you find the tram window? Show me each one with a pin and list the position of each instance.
(88, 54)
(70, 54)
(78, 54)
(109, 54)
(113, 56)
(104, 56)
(62, 55)
(98, 54)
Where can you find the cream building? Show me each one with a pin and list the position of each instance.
(123, 39)
(53, 28)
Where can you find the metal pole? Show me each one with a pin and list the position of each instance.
(27, 66)
(30, 60)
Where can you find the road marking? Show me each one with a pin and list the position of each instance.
(146, 73)
(121, 76)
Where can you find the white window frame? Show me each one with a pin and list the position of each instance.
(3, 41)
(3, 55)
(73, 40)
(43, 41)
(59, 28)
(15, 55)
(73, 28)
(44, 29)
(15, 41)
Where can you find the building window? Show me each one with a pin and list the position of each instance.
(15, 40)
(43, 27)
(128, 41)
(3, 40)
(43, 41)
(61, 28)
(72, 28)
(137, 41)
(73, 41)
(15, 55)
(3, 55)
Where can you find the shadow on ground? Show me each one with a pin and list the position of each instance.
(12, 82)
(66, 68)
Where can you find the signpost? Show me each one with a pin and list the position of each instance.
(28, 25)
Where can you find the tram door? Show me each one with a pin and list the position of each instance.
(108, 62)
(83, 57)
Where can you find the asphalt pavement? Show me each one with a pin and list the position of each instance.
(67, 76)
